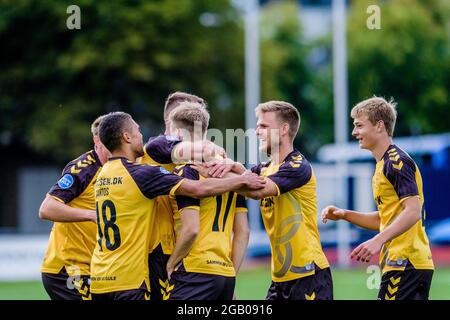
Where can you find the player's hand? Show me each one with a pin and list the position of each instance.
(202, 169)
(211, 151)
(218, 168)
(248, 173)
(92, 215)
(253, 182)
(366, 250)
(169, 270)
(332, 213)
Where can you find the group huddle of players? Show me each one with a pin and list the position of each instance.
(168, 220)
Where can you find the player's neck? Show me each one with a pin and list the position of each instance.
(129, 154)
(283, 150)
(381, 147)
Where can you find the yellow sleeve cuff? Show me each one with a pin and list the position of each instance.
(197, 208)
(56, 198)
(175, 188)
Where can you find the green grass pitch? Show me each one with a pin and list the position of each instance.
(253, 284)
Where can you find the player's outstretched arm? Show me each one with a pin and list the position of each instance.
(367, 220)
(197, 151)
(241, 235)
(218, 168)
(270, 189)
(190, 227)
(53, 210)
(212, 187)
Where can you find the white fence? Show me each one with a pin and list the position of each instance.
(21, 256)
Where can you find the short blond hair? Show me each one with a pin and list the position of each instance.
(176, 98)
(187, 114)
(285, 112)
(96, 124)
(378, 109)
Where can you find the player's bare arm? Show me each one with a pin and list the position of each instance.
(190, 227)
(270, 190)
(366, 220)
(241, 235)
(197, 151)
(218, 168)
(212, 187)
(408, 217)
(56, 211)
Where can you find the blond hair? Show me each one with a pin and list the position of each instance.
(378, 109)
(285, 112)
(174, 100)
(187, 114)
(96, 124)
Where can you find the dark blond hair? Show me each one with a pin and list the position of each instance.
(285, 112)
(96, 124)
(378, 109)
(187, 114)
(174, 100)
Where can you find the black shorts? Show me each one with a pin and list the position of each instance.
(318, 286)
(62, 287)
(410, 284)
(199, 286)
(136, 294)
(157, 262)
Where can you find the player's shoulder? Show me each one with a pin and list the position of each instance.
(162, 139)
(80, 171)
(87, 163)
(296, 161)
(142, 169)
(160, 148)
(397, 160)
(185, 170)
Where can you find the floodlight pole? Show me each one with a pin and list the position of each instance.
(252, 88)
(340, 89)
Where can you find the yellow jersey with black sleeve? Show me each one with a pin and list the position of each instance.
(396, 179)
(125, 194)
(158, 152)
(211, 251)
(290, 218)
(70, 245)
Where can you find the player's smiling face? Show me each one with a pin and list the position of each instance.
(365, 132)
(266, 129)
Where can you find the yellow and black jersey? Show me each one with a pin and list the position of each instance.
(158, 152)
(396, 179)
(290, 218)
(124, 195)
(211, 251)
(70, 245)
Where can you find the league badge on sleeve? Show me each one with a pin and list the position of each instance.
(171, 138)
(163, 170)
(66, 181)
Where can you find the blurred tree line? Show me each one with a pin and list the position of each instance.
(130, 54)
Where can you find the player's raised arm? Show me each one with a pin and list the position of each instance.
(57, 211)
(218, 168)
(197, 151)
